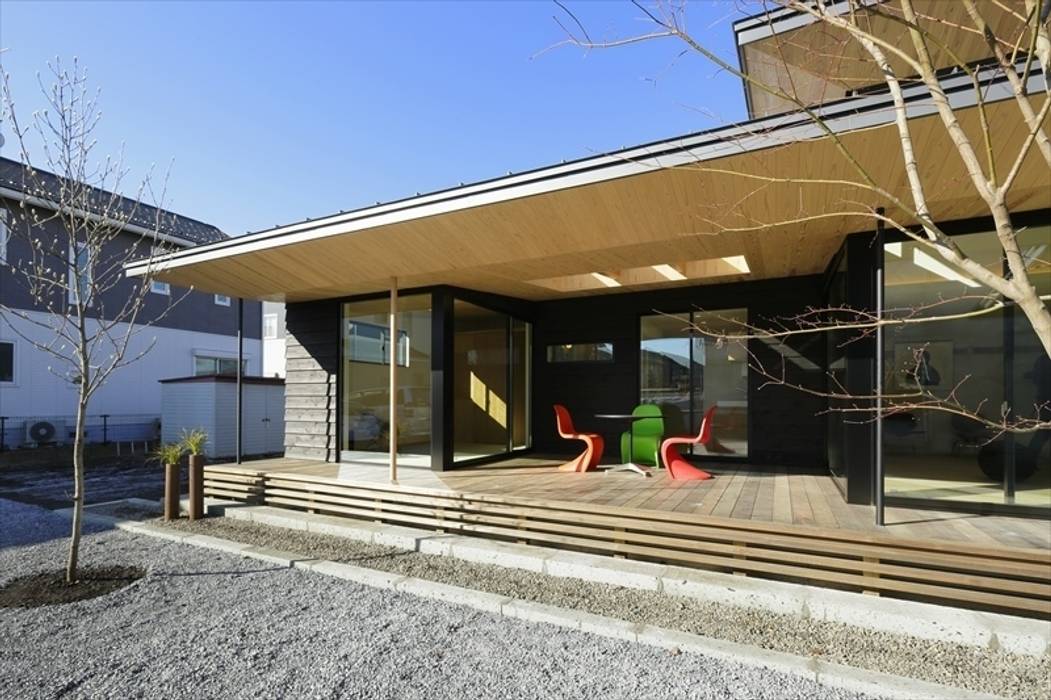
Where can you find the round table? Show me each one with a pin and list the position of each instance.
(630, 419)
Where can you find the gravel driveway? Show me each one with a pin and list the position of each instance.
(208, 624)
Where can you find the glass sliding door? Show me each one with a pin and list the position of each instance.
(491, 382)
(480, 382)
(667, 371)
(365, 399)
(990, 361)
(686, 373)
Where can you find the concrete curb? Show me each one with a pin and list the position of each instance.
(824, 673)
(1012, 634)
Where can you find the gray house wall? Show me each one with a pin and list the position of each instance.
(312, 362)
(196, 311)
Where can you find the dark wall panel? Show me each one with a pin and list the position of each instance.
(311, 399)
(786, 426)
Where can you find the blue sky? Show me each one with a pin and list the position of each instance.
(276, 111)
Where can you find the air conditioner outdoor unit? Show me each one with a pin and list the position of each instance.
(44, 431)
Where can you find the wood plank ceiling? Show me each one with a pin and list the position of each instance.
(671, 216)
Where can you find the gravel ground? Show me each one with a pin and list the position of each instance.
(52, 486)
(208, 624)
(1002, 674)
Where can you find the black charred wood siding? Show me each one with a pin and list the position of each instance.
(312, 362)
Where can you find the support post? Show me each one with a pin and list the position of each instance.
(392, 423)
(240, 372)
(878, 384)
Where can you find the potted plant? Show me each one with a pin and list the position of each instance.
(193, 442)
(169, 454)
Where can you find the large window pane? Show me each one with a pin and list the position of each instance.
(366, 378)
(721, 379)
(989, 362)
(667, 372)
(685, 373)
(480, 382)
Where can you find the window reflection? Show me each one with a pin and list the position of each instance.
(991, 362)
(685, 373)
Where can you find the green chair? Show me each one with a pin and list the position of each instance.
(645, 437)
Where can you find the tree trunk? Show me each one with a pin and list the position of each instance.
(78, 493)
(1039, 316)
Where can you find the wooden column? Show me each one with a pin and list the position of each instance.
(392, 423)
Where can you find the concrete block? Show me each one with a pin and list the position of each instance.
(341, 527)
(400, 537)
(278, 518)
(438, 544)
(539, 612)
(599, 569)
(158, 531)
(479, 600)
(209, 542)
(861, 680)
(754, 593)
(347, 572)
(274, 556)
(727, 651)
(608, 627)
(514, 556)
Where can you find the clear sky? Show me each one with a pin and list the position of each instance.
(276, 111)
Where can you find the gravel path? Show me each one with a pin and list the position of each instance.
(208, 624)
(998, 673)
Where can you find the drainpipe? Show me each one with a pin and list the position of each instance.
(392, 423)
(240, 372)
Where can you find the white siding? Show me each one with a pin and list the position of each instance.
(134, 389)
(211, 406)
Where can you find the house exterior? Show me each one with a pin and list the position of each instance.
(582, 283)
(197, 336)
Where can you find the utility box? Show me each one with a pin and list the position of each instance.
(209, 403)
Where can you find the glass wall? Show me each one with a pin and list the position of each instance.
(491, 375)
(685, 373)
(365, 400)
(990, 361)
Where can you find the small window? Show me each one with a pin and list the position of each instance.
(3, 236)
(222, 300)
(269, 326)
(226, 366)
(580, 352)
(158, 287)
(7, 361)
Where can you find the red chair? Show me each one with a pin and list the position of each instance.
(588, 460)
(678, 468)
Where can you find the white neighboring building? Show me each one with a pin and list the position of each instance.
(273, 339)
(197, 336)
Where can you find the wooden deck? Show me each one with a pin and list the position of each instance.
(783, 526)
(735, 492)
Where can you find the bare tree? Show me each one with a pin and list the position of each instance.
(854, 47)
(76, 233)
